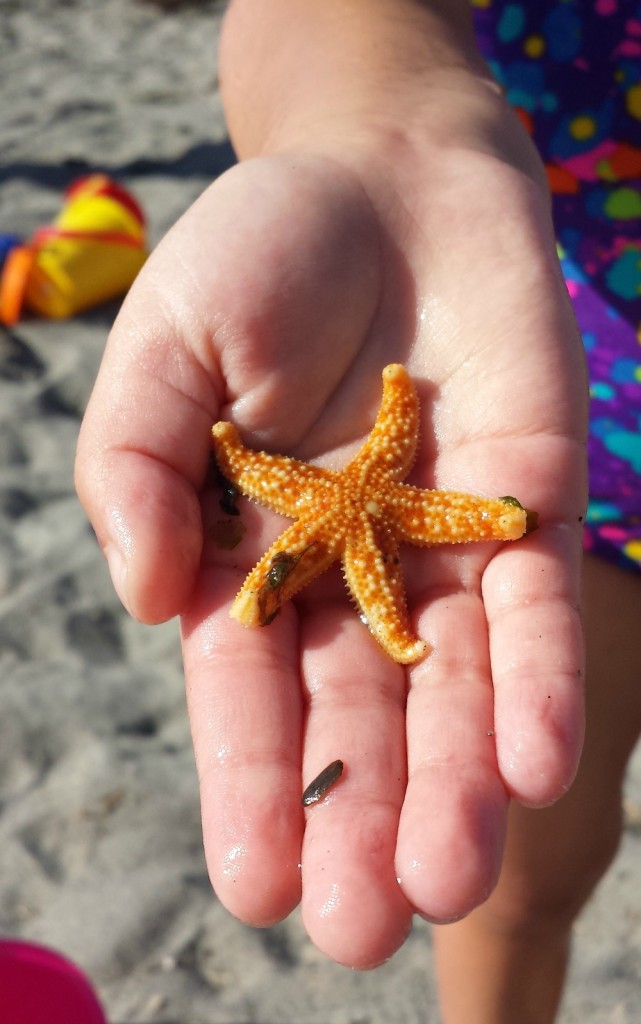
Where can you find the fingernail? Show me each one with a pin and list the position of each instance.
(118, 571)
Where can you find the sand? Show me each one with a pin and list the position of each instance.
(100, 843)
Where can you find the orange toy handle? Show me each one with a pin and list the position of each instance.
(13, 283)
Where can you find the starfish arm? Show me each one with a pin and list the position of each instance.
(372, 569)
(282, 484)
(297, 557)
(391, 446)
(448, 517)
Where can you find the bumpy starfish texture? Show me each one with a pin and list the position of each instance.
(359, 515)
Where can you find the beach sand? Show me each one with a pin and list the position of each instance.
(100, 842)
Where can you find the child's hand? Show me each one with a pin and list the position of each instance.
(275, 302)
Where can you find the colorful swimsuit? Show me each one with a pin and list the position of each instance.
(573, 70)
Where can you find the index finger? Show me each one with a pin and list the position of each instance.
(144, 445)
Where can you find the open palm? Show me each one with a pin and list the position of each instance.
(275, 302)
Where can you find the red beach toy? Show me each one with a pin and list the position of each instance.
(38, 986)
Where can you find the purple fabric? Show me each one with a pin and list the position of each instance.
(573, 71)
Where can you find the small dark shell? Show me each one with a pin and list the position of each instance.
(319, 786)
(270, 594)
(280, 568)
(228, 493)
(228, 497)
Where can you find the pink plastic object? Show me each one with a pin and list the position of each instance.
(38, 986)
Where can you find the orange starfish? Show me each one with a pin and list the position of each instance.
(359, 514)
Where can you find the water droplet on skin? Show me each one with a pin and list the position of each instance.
(332, 903)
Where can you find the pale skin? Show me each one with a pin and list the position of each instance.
(393, 211)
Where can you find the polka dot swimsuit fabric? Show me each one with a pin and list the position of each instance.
(572, 69)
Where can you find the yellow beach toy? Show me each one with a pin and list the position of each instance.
(91, 253)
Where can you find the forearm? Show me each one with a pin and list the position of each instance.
(289, 67)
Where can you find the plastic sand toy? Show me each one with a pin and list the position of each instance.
(39, 986)
(91, 253)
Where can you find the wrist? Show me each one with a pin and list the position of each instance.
(293, 70)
